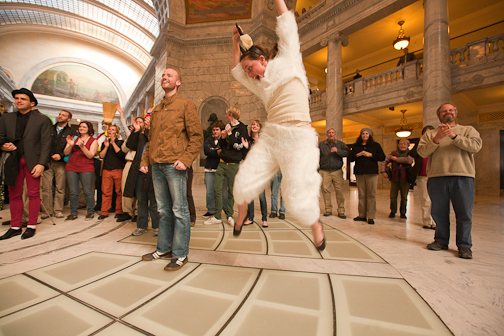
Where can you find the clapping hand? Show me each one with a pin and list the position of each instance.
(106, 142)
(70, 140)
(245, 143)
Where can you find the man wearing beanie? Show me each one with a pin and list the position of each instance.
(26, 136)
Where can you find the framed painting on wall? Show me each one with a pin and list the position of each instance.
(75, 81)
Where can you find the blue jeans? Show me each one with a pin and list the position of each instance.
(87, 187)
(275, 186)
(146, 205)
(264, 208)
(210, 194)
(460, 191)
(170, 187)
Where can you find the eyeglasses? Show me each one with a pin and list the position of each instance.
(449, 110)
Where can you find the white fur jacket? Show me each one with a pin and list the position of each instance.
(287, 64)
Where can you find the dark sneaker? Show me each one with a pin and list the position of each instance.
(176, 263)
(28, 233)
(436, 246)
(327, 213)
(156, 255)
(272, 215)
(70, 218)
(208, 215)
(10, 233)
(102, 217)
(360, 219)
(123, 217)
(6, 222)
(465, 253)
(89, 216)
(370, 221)
(281, 216)
(403, 216)
(342, 216)
(392, 215)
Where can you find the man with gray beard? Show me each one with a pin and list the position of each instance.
(450, 170)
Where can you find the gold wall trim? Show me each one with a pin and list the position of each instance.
(491, 116)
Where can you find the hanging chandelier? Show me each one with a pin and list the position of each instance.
(402, 41)
(404, 131)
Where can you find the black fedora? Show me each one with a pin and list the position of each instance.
(26, 92)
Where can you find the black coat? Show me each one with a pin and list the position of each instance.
(233, 150)
(59, 140)
(37, 140)
(136, 142)
(366, 165)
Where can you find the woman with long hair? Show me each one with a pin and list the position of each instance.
(80, 166)
(399, 161)
(366, 153)
(255, 129)
(287, 140)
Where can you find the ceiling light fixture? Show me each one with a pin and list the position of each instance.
(403, 131)
(402, 41)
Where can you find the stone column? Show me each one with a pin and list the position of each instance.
(334, 86)
(436, 62)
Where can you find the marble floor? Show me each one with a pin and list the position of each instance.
(86, 278)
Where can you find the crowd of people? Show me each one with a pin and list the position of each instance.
(151, 167)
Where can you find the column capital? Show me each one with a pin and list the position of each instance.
(336, 37)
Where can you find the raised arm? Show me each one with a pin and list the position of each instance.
(236, 46)
(281, 7)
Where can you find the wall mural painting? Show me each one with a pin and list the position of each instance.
(199, 11)
(75, 82)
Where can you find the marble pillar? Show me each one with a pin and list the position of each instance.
(334, 87)
(436, 62)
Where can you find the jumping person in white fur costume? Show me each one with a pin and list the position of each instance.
(287, 141)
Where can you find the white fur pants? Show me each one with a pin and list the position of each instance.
(295, 151)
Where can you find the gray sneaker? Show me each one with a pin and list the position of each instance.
(139, 232)
(176, 263)
(156, 255)
(156, 232)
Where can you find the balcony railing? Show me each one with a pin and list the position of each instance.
(477, 52)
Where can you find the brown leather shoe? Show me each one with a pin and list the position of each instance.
(70, 218)
(465, 253)
(437, 246)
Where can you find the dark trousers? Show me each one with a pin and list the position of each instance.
(459, 190)
(395, 187)
(190, 199)
(146, 205)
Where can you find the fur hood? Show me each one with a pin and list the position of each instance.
(287, 65)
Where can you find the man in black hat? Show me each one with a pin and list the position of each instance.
(27, 137)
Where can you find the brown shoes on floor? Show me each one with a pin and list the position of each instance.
(437, 246)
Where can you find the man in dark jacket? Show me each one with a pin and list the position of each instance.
(231, 151)
(140, 184)
(27, 136)
(210, 148)
(332, 152)
(56, 169)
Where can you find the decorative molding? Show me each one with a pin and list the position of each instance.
(491, 117)
(325, 17)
